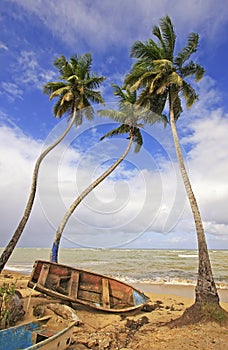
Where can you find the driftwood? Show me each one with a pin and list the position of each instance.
(65, 311)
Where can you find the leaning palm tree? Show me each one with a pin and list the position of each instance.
(162, 77)
(75, 91)
(130, 117)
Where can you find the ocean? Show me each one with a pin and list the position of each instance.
(166, 267)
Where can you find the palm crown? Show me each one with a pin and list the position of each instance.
(130, 115)
(159, 74)
(75, 90)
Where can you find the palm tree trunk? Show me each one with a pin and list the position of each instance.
(205, 289)
(17, 234)
(95, 183)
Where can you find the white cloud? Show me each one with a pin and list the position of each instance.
(104, 23)
(124, 206)
(148, 198)
(3, 46)
(29, 72)
(11, 91)
(209, 169)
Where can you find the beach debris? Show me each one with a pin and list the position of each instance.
(11, 307)
(149, 307)
(64, 311)
(39, 310)
(153, 306)
(136, 324)
(114, 337)
(6, 275)
(79, 347)
(16, 307)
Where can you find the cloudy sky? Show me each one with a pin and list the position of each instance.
(143, 203)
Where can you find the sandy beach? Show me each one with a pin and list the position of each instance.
(139, 330)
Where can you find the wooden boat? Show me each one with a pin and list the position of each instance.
(35, 335)
(84, 287)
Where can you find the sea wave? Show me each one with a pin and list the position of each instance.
(24, 269)
(187, 255)
(165, 281)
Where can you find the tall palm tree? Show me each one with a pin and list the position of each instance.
(75, 91)
(129, 115)
(162, 77)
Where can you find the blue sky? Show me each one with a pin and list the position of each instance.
(142, 204)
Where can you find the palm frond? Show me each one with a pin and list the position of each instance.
(175, 79)
(111, 113)
(138, 69)
(192, 69)
(200, 71)
(122, 129)
(67, 97)
(50, 87)
(79, 119)
(144, 97)
(94, 96)
(187, 51)
(177, 108)
(138, 140)
(60, 92)
(189, 94)
(94, 82)
(168, 37)
(60, 63)
(145, 51)
(88, 112)
(60, 109)
(118, 91)
(157, 105)
(157, 33)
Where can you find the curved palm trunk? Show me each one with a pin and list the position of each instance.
(205, 289)
(17, 234)
(95, 183)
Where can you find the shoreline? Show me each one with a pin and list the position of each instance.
(174, 290)
(181, 290)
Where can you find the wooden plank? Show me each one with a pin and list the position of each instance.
(73, 284)
(43, 274)
(90, 288)
(91, 298)
(105, 293)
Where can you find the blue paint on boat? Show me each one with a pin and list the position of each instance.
(139, 298)
(18, 337)
(36, 335)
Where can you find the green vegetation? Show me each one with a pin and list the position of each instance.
(6, 294)
(213, 312)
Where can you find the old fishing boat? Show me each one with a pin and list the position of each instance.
(84, 287)
(40, 334)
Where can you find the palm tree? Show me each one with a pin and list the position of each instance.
(75, 91)
(162, 77)
(129, 115)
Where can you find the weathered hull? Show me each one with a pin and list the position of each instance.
(85, 287)
(36, 335)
